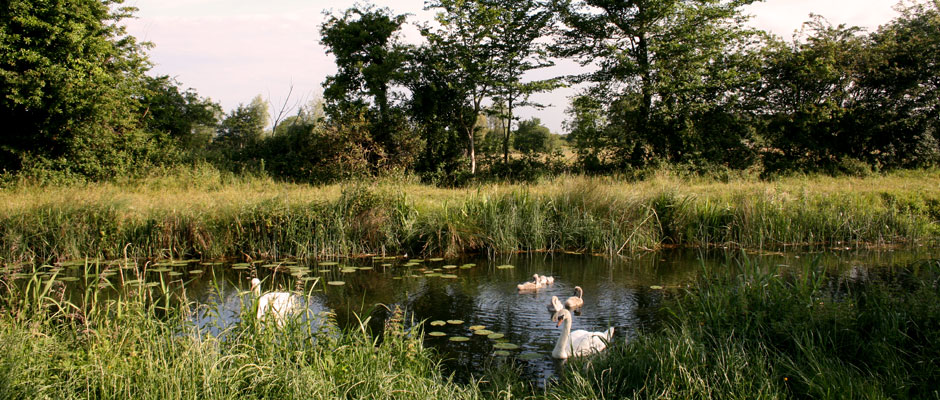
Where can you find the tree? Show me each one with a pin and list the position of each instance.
(182, 114)
(244, 126)
(370, 61)
(662, 65)
(70, 80)
(533, 138)
(467, 38)
(520, 24)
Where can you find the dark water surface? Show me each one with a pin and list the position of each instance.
(624, 293)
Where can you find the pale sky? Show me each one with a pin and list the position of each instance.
(234, 50)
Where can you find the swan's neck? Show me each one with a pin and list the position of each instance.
(256, 290)
(561, 347)
(580, 292)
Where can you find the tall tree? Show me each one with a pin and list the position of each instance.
(467, 37)
(370, 61)
(69, 83)
(187, 117)
(661, 64)
(517, 52)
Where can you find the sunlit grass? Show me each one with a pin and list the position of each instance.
(203, 212)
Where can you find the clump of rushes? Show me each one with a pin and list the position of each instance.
(142, 344)
(763, 334)
(274, 220)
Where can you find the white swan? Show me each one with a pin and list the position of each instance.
(546, 280)
(536, 284)
(580, 342)
(574, 302)
(281, 304)
(555, 305)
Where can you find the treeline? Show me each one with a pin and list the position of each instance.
(667, 83)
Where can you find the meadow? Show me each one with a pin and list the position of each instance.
(201, 212)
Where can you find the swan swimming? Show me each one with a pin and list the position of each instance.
(546, 280)
(574, 302)
(536, 284)
(580, 342)
(281, 304)
(555, 305)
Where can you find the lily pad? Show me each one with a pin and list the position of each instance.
(336, 283)
(365, 268)
(656, 287)
(483, 332)
(455, 321)
(328, 263)
(505, 346)
(173, 273)
(459, 338)
(449, 276)
(348, 270)
(501, 353)
(466, 266)
(435, 259)
(529, 356)
(495, 336)
(477, 327)
(195, 271)
(505, 266)
(324, 271)
(433, 275)
(239, 265)
(449, 267)
(437, 334)
(438, 323)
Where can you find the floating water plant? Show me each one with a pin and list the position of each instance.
(195, 271)
(435, 259)
(449, 276)
(505, 266)
(505, 346)
(455, 321)
(438, 323)
(501, 353)
(656, 287)
(529, 356)
(495, 336)
(336, 283)
(323, 271)
(365, 268)
(459, 338)
(348, 270)
(328, 263)
(477, 327)
(449, 267)
(482, 332)
(437, 334)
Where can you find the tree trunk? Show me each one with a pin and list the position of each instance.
(508, 131)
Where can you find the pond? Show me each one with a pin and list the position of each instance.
(459, 294)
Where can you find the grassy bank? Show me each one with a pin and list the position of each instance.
(763, 335)
(747, 332)
(207, 214)
(142, 346)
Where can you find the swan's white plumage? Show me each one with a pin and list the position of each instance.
(546, 280)
(574, 302)
(580, 342)
(280, 304)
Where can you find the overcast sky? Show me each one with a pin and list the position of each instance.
(233, 50)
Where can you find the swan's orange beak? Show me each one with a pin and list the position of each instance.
(559, 322)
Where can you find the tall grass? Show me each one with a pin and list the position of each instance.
(141, 344)
(767, 334)
(211, 216)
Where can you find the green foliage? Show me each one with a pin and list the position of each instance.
(182, 114)
(69, 77)
(532, 137)
(370, 61)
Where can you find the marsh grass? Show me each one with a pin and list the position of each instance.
(761, 333)
(140, 343)
(205, 215)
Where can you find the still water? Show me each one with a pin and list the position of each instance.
(624, 293)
